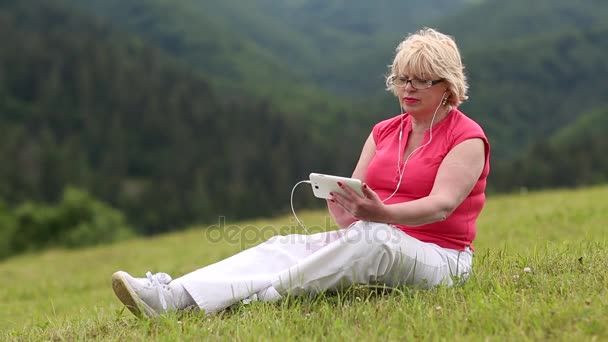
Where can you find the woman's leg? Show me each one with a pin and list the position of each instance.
(249, 274)
(373, 253)
(365, 253)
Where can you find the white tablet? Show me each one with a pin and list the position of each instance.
(322, 185)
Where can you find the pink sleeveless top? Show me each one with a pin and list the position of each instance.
(459, 229)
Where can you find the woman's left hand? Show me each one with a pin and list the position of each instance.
(368, 207)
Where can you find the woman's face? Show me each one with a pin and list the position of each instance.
(420, 96)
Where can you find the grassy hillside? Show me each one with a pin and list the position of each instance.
(559, 235)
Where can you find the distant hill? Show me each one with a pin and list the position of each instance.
(89, 106)
(505, 21)
(187, 110)
(277, 48)
(526, 91)
(360, 17)
(353, 41)
(287, 49)
(573, 156)
(206, 37)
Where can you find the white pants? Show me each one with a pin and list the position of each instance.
(364, 253)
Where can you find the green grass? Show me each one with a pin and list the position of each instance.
(559, 235)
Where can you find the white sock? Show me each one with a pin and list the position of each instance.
(269, 294)
(183, 299)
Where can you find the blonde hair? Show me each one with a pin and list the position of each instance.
(430, 54)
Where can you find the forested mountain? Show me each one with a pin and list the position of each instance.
(353, 41)
(183, 111)
(206, 36)
(85, 105)
(525, 91)
(505, 21)
(360, 17)
(331, 44)
(275, 48)
(574, 156)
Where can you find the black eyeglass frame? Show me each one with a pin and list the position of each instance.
(427, 83)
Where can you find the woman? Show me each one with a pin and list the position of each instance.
(424, 174)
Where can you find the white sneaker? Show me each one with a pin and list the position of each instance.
(153, 295)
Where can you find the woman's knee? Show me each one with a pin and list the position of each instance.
(284, 239)
(371, 234)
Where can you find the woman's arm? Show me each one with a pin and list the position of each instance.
(342, 217)
(456, 177)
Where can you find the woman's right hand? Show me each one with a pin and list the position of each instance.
(342, 217)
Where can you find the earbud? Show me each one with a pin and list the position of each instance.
(444, 99)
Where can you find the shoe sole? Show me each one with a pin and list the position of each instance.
(129, 298)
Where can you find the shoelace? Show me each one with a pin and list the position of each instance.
(158, 281)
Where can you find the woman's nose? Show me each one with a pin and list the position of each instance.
(409, 87)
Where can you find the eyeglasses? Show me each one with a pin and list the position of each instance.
(401, 82)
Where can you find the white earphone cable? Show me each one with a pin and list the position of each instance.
(401, 170)
(293, 210)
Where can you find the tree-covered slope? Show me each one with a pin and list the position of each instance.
(159, 107)
(574, 156)
(496, 22)
(529, 89)
(277, 48)
(89, 106)
(212, 41)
